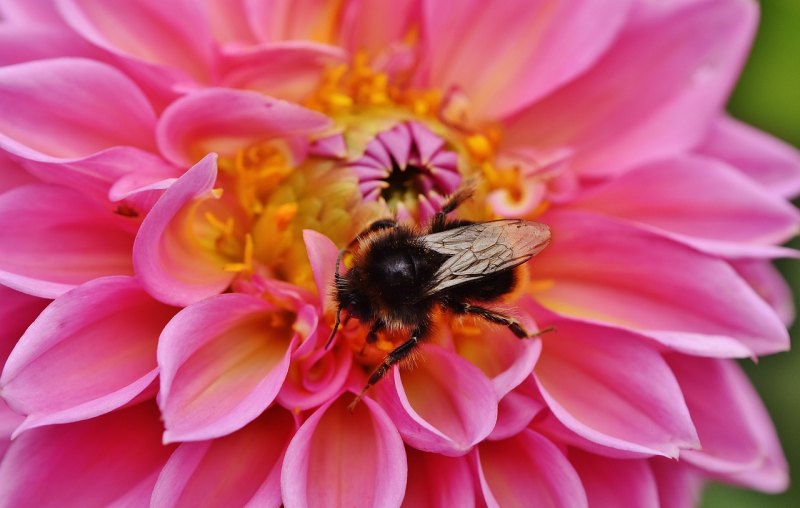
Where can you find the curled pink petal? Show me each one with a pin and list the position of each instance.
(108, 327)
(612, 388)
(114, 112)
(223, 361)
(174, 38)
(366, 468)
(436, 480)
(443, 405)
(517, 409)
(17, 312)
(192, 125)
(315, 378)
(236, 470)
(527, 470)
(55, 238)
(607, 270)
(114, 458)
(768, 282)
(169, 259)
(767, 160)
(322, 254)
(673, 195)
(288, 70)
(503, 357)
(739, 443)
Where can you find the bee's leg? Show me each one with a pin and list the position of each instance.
(501, 319)
(396, 355)
(439, 221)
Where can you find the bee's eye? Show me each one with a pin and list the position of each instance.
(352, 307)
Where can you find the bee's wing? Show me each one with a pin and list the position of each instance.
(483, 248)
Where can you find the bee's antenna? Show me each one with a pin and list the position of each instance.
(336, 278)
(335, 327)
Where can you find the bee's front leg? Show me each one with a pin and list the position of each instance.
(395, 356)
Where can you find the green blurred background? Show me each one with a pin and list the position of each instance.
(768, 96)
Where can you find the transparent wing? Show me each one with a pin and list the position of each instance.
(483, 248)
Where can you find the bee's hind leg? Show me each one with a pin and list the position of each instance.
(395, 356)
(501, 319)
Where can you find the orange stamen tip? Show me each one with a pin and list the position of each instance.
(217, 192)
(285, 214)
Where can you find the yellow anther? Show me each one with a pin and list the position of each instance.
(225, 228)
(246, 264)
(339, 101)
(217, 192)
(479, 147)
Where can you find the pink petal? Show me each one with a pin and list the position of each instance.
(89, 352)
(9, 420)
(443, 405)
(69, 108)
(770, 285)
(173, 37)
(169, 255)
(111, 459)
(339, 458)
(194, 124)
(678, 485)
(739, 443)
(767, 160)
(17, 312)
(285, 20)
(55, 239)
(527, 470)
(290, 70)
(25, 42)
(503, 358)
(614, 482)
(698, 198)
(229, 23)
(322, 254)
(517, 409)
(438, 481)
(223, 361)
(30, 11)
(242, 469)
(374, 27)
(12, 173)
(96, 174)
(505, 54)
(605, 270)
(621, 113)
(612, 388)
(317, 377)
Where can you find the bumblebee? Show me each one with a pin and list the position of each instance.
(401, 274)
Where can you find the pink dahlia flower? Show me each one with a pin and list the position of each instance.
(177, 178)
